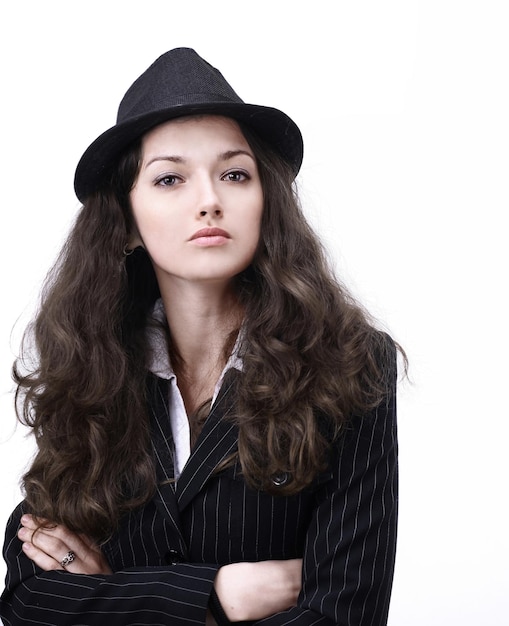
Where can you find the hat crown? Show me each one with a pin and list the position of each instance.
(181, 83)
(178, 77)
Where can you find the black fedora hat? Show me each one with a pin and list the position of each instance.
(181, 83)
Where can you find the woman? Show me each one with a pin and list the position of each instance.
(215, 416)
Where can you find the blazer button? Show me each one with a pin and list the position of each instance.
(173, 557)
(280, 479)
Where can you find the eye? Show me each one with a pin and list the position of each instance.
(236, 176)
(167, 180)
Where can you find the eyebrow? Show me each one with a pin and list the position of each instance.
(230, 154)
(223, 156)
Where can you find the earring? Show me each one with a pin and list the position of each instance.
(128, 251)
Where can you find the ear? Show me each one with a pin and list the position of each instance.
(135, 240)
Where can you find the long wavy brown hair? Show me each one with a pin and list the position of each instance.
(312, 358)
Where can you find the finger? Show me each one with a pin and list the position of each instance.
(53, 538)
(40, 558)
(28, 521)
(85, 555)
(56, 530)
(45, 542)
(57, 541)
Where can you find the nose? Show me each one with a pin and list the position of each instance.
(213, 212)
(208, 201)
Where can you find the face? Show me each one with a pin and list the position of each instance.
(197, 202)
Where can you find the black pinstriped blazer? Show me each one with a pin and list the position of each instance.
(166, 555)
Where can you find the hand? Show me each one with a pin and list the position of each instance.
(47, 547)
(253, 591)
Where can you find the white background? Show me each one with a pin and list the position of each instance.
(404, 108)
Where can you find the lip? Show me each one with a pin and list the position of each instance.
(210, 237)
(210, 232)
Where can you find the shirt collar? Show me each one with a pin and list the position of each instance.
(159, 360)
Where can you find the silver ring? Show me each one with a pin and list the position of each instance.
(68, 558)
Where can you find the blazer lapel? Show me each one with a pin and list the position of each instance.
(217, 440)
(162, 442)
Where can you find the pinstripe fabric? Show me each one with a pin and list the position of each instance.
(165, 555)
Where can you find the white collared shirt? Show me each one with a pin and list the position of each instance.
(159, 365)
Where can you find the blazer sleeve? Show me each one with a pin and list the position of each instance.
(351, 542)
(175, 594)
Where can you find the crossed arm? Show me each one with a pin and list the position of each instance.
(246, 591)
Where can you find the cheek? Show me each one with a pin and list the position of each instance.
(151, 223)
(159, 240)
(256, 214)
(259, 221)
(252, 235)
(157, 235)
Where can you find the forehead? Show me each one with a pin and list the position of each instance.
(192, 130)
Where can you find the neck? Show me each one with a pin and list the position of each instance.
(201, 317)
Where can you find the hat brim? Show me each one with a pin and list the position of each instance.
(271, 125)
